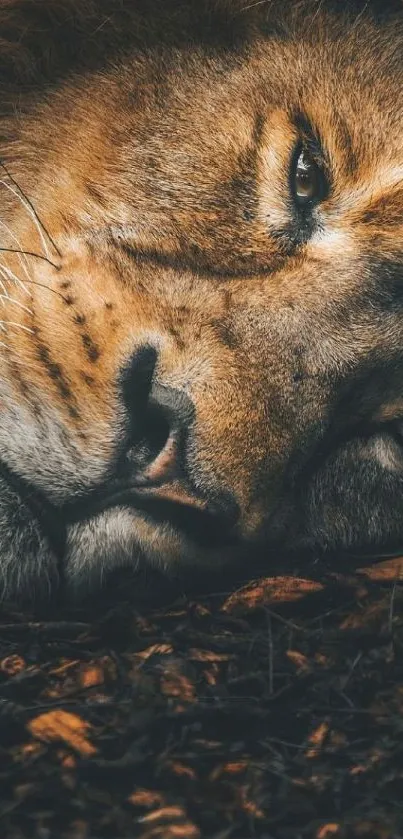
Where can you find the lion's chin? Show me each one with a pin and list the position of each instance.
(126, 537)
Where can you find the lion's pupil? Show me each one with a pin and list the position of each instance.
(306, 178)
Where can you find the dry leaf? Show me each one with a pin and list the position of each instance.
(183, 830)
(230, 768)
(12, 665)
(155, 649)
(328, 830)
(390, 570)
(208, 655)
(316, 739)
(182, 770)
(372, 614)
(62, 725)
(250, 807)
(164, 813)
(146, 798)
(64, 667)
(174, 684)
(91, 675)
(301, 662)
(270, 590)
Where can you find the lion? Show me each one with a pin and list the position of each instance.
(201, 284)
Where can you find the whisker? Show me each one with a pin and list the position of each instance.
(8, 274)
(39, 285)
(31, 253)
(31, 207)
(12, 360)
(24, 262)
(28, 209)
(4, 297)
(5, 323)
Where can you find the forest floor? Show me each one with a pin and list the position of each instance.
(272, 709)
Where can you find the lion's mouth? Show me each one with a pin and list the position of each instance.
(209, 524)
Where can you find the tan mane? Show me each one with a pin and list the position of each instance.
(38, 40)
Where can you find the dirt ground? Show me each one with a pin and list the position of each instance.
(272, 709)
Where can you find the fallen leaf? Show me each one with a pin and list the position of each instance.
(250, 807)
(64, 667)
(179, 686)
(63, 725)
(328, 830)
(270, 590)
(208, 655)
(183, 830)
(91, 675)
(389, 571)
(67, 760)
(372, 614)
(230, 768)
(301, 662)
(164, 813)
(316, 739)
(12, 665)
(146, 798)
(155, 649)
(181, 770)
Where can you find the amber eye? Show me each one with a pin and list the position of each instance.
(308, 181)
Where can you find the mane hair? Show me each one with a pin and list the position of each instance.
(40, 40)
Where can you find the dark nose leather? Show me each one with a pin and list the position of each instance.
(159, 416)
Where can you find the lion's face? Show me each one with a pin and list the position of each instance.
(202, 339)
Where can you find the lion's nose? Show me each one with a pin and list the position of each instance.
(160, 416)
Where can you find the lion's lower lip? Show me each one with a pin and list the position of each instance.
(202, 523)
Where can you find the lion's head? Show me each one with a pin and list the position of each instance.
(201, 283)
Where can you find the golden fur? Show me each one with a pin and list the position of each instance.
(194, 369)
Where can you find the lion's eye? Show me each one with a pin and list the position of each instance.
(308, 179)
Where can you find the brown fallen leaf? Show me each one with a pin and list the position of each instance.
(12, 665)
(183, 830)
(64, 667)
(230, 768)
(269, 590)
(63, 725)
(371, 615)
(146, 798)
(178, 686)
(328, 830)
(390, 570)
(164, 813)
(301, 662)
(317, 739)
(181, 770)
(208, 655)
(250, 807)
(154, 649)
(91, 675)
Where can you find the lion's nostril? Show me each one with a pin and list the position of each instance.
(149, 429)
(159, 419)
(137, 379)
